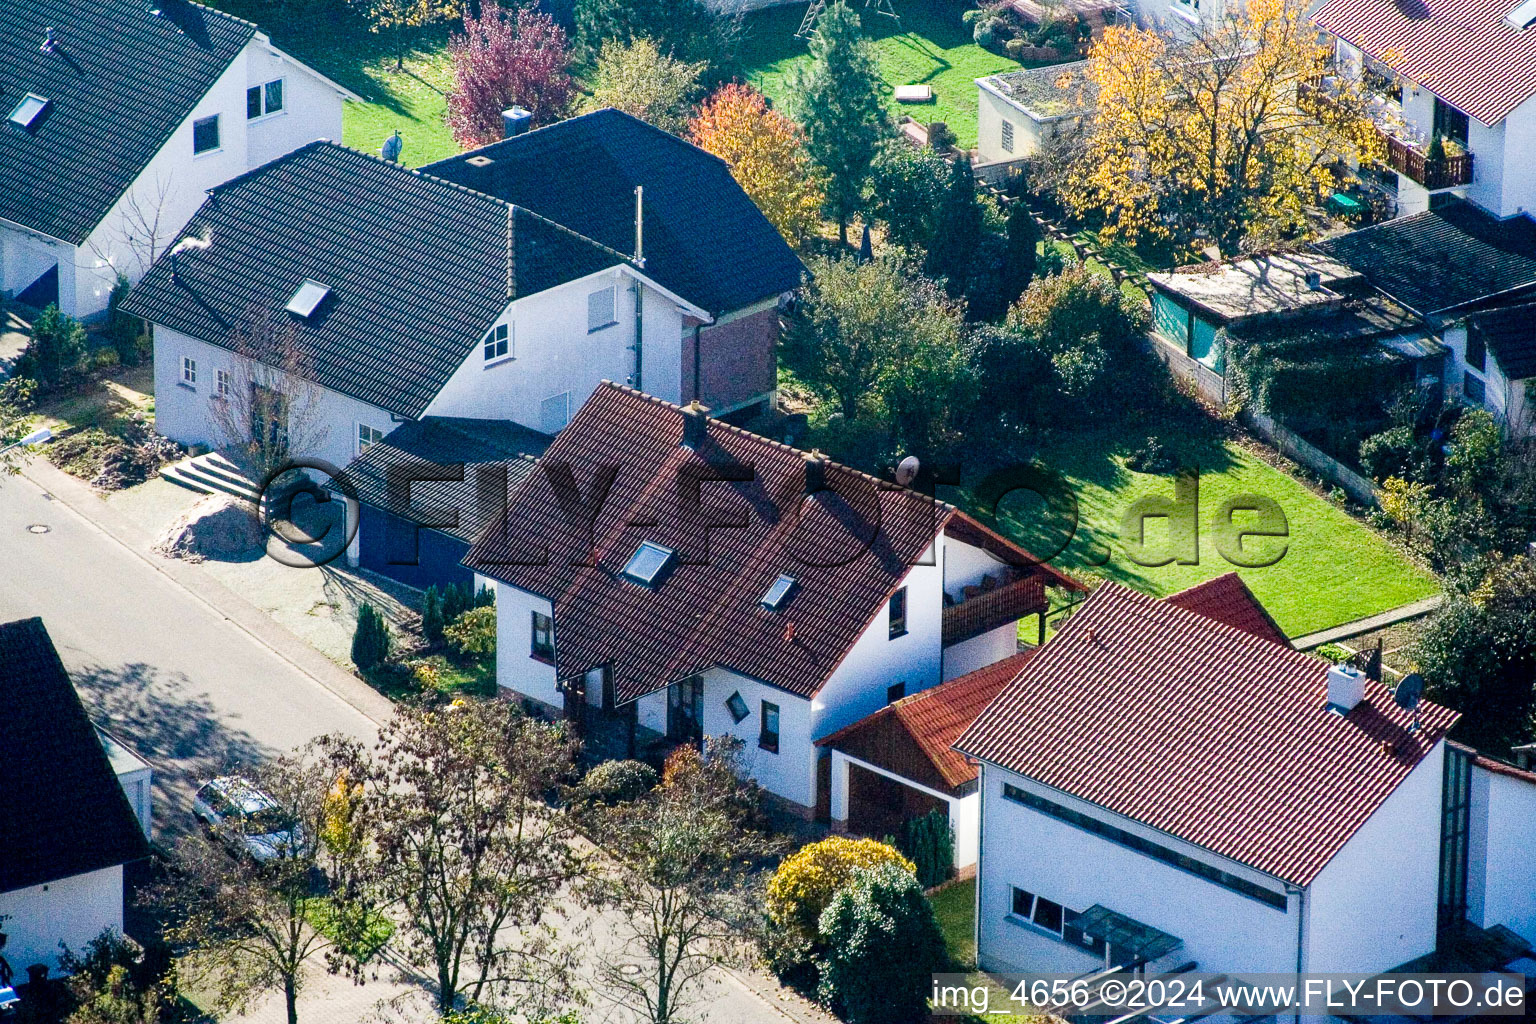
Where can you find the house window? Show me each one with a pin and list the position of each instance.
(1473, 387)
(768, 738)
(647, 564)
(1007, 136)
(498, 342)
(221, 383)
(543, 645)
(555, 413)
(898, 609)
(895, 693)
(1038, 911)
(189, 371)
(366, 436)
(600, 309)
(1450, 123)
(261, 100)
(737, 707)
(205, 135)
(1477, 352)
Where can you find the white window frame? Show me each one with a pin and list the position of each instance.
(367, 436)
(218, 130)
(612, 304)
(266, 110)
(221, 383)
(496, 346)
(189, 372)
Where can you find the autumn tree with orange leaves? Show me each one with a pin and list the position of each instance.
(766, 154)
(1230, 134)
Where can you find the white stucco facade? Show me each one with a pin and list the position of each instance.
(1501, 876)
(151, 212)
(72, 910)
(1512, 402)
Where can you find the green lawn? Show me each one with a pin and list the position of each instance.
(930, 45)
(1330, 568)
(955, 909)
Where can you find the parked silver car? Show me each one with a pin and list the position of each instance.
(247, 819)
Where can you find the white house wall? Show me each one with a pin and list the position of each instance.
(553, 353)
(980, 651)
(1506, 399)
(26, 255)
(311, 106)
(516, 668)
(71, 910)
(1501, 876)
(1374, 905)
(1029, 134)
(1519, 172)
(790, 773)
(187, 415)
(1221, 929)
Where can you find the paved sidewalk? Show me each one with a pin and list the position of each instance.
(1368, 625)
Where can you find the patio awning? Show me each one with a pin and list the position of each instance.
(1132, 940)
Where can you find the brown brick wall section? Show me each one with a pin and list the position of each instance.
(738, 360)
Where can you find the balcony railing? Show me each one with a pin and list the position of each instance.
(1403, 156)
(987, 609)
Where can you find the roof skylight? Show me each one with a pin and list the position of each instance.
(645, 566)
(1523, 16)
(308, 298)
(778, 593)
(27, 112)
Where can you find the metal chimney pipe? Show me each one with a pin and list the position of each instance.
(640, 226)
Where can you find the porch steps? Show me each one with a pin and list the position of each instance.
(212, 473)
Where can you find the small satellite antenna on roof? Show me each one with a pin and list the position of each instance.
(1408, 694)
(906, 470)
(392, 146)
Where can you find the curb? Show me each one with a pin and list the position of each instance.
(1391, 617)
(84, 501)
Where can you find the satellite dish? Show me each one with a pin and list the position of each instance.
(392, 146)
(906, 470)
(1409, 691)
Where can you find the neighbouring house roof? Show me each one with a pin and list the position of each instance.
(1228, 600)
(1275, 283)
(704, 239)
(1510, 334)
(1057, 90)
(1493, 764)
(119, 80)
(847, 548)
(478, 445)
(913, 737)
(417, 269)
(1203, 731)
(65, 812)
(1443, 259)
(1463, 51)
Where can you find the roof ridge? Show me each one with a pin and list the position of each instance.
(627, 258)
(280, 158)
(583, 117)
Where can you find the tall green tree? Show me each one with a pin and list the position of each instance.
(906, 189)
(639, 79)
(958, 232)
(836, 99)
(883, 945)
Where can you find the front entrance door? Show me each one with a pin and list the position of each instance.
(269, 419)
(685, 711)
(576, 703)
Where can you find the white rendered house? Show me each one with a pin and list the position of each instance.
(119, 117)
(724, 584)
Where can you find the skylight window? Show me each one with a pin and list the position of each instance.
(29, 110)
(778, 594)
(647, 563)
(308, 298)
(1523, 16)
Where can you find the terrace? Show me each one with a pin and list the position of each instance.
(1407, 150)
(992, 603)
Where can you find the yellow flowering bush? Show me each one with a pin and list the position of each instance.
(807, 879)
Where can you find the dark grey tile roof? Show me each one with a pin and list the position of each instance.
(477, 445)
(418, 268)
(1510, 334)
(65, 811)
(120, 80)
(704, 239)
(1437, 261)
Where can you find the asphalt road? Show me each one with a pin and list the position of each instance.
(191, 692)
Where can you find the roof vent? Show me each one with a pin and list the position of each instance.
(1314, 281)
(815, 472)
(1346, 688)
(479, 160)
(695, 422)
(1522, 17)
(30, 110)
(779, 592)
(308, 298)
(50, 40)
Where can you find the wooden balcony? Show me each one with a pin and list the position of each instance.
(1401, 155)
(985, 608)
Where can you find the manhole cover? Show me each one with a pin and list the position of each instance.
(39, 528)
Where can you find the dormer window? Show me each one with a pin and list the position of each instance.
(498, 342)
(308, 298)
(29, 111)
(778, 593)
(647, 564)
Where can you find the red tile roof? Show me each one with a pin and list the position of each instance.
(1228, 599)
(927, 724)
(1461, 50)
(848, 549)
(1204, 731)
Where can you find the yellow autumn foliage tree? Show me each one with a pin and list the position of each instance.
(766, 154)
(807, 879)
(1235, 132)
